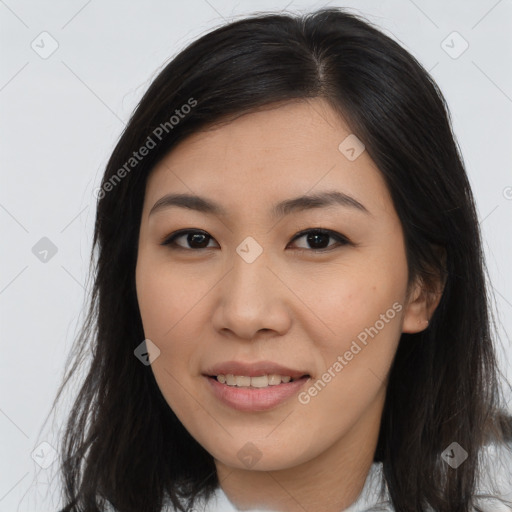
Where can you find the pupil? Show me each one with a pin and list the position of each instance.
(313, 238)
(192, 239)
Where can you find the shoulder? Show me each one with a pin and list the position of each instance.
(494, 481)
(493, 490)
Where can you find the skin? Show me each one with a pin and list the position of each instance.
(292, 305)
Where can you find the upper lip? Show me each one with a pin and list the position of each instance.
(253, 369)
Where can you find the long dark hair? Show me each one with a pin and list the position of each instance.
(122, 441)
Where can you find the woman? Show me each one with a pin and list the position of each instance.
(289, 301)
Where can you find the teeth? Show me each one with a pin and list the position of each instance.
(262, 381)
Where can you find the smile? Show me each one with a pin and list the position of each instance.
(266, 394)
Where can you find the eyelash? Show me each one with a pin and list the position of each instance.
(342, 240)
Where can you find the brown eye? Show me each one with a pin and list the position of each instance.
(194, 238)
(318, 239)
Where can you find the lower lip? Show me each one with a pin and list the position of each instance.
(255, 399)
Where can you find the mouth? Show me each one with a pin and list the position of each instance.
(255, 393)
(258, 381)
(256, 385)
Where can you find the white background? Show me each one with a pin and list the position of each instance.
(61, 117)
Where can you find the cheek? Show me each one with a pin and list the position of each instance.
(168, 304)
(355, 362)
(166, 298)
(362, 307)
(354, 300)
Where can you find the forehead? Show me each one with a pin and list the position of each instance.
(266, 156)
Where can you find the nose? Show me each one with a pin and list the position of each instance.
(252, 298)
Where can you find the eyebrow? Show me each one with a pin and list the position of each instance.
(301, 203)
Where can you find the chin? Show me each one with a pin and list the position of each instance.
(258, 455)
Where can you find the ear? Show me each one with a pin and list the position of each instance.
(423, 301)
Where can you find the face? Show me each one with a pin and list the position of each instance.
(318, 287)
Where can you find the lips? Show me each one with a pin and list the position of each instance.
(253, 369)
(254, 399)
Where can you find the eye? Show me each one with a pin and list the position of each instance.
(194, 238)
(317, 237)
